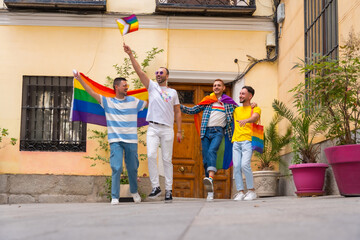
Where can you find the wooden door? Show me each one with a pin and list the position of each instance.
(187, 158)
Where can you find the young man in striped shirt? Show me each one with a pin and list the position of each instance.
(121, 118)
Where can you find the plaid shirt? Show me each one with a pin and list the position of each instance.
(229, 109)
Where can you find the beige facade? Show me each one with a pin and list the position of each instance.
(52, 44)
(291, 42)
(197, 49)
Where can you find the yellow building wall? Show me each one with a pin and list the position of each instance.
(349, 18)
(55, 51)
(291, 50)
(263, 8)
(131, 6)
(291, 43)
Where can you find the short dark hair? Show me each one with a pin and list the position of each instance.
(118, 80)
(167, 70)
(219, 80)
(249, 89)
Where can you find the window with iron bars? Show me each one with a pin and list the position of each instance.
(45, 125)
(321, 29)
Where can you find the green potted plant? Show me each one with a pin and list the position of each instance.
(266, 179)
(308, 175)
(334, 84)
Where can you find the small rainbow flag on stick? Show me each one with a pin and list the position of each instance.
(128, 24)
(86, 109)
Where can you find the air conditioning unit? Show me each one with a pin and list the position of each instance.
(281, 13)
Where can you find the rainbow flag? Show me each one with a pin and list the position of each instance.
(257, 138)
(128, 24)
(224, 153)
(86, 109)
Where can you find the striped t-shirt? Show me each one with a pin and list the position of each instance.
(121, 118)
(217, 116)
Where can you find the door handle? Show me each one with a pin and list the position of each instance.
(181, 169)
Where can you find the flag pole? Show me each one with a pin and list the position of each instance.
(123, 38)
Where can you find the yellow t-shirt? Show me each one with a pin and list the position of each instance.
(243, 133)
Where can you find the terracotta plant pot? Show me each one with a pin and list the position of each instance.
(345, 162)
(266, 183)
(309, 178)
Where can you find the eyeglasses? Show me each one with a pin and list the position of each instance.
(159, 73)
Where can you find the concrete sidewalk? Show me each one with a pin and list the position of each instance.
(328, 217)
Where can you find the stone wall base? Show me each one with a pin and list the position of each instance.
(36, 188)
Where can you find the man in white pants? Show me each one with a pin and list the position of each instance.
(163, 105)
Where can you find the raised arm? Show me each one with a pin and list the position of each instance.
(87, 88)
(143, 77)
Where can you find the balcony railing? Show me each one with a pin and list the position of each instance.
(57, 4)
(223, 7)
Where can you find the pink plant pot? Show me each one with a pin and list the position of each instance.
(345, 162)
(309, 178)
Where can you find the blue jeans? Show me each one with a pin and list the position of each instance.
(117, 150)
(210, 144)
(242, 152)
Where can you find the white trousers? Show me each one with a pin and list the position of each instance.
(164, 136)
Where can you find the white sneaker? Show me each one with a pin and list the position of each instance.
(210, 196)
(239, 196)
(250, 195)
(114, 201)
(136, 197)
(208, 183)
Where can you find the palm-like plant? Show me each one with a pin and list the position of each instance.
(273, 143)
(305, 125)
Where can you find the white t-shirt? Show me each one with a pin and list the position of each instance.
(217, 116)
(161, 104)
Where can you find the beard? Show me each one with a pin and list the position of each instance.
(160, 79)
(242, 101)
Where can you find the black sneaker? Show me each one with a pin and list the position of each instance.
(155, 192)
(168, 196)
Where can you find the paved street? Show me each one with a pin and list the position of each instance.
(329, 217)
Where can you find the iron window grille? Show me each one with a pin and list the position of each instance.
(321, 32)
(221, 7)
(45, 125)
(321, 29)
(80, 5)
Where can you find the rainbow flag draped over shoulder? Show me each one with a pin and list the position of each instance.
(128, 24)
(86, 109)
(224, 153)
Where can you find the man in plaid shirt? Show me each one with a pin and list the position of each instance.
(216, 122)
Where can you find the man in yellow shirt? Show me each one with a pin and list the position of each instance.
(242, 150)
